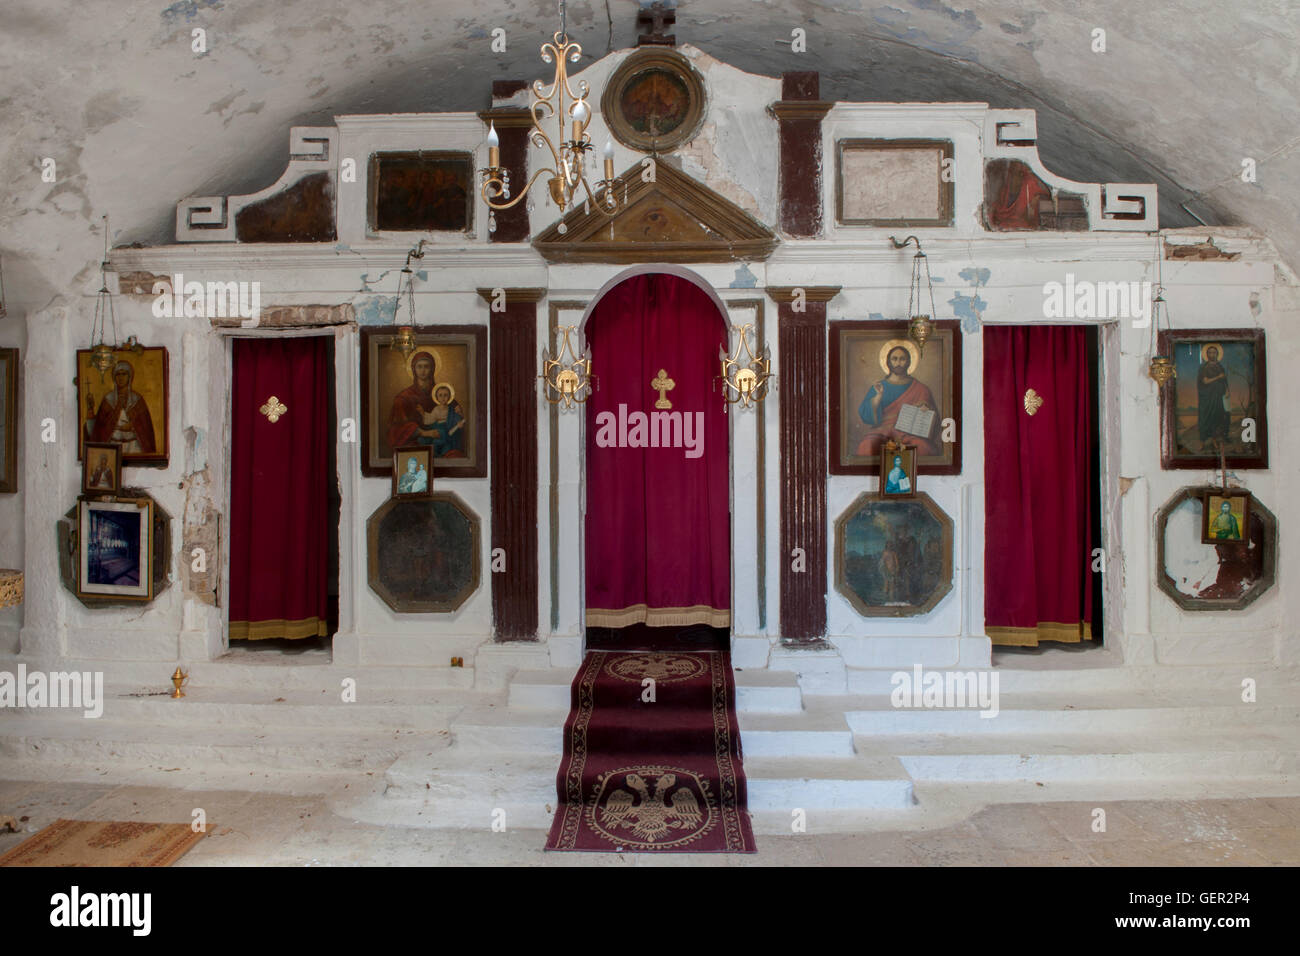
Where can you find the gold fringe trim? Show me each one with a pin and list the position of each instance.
(1045, 631)
(659, 616)
(265, 630)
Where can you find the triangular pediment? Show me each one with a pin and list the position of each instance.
(672, 219)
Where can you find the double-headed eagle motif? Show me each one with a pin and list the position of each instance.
(651, 816)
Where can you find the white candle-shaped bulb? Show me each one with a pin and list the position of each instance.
(494, 147)
(609, 160)
(609, 149)
(580, 113)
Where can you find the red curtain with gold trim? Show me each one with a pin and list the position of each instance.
(279, 505)
(658, 528)
(1037, 489)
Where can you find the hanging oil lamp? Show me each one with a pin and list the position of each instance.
(101, 353)
(920, 327)
(1161, 367)
(404, 339)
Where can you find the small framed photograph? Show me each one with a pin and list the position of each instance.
(897, 471)
(101, 471)
(115, 549)
(1225, 517)
(413, 471)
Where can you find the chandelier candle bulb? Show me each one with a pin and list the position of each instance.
(494, 147)
(609, 160)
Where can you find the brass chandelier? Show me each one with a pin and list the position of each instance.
(568, 179)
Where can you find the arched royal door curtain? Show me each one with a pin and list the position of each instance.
(657, 522)
(1037, 494)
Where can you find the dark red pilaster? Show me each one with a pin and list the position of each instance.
(799, 116)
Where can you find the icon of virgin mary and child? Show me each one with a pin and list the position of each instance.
(898, 406)
(427, 413)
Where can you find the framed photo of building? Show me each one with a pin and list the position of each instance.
(883, 388)
(421, 192)
(897, 471)
(127, 405)
(115, 549)
(436, 397)
(413, 471)
(895, 182)
(1218, 399)
(1225, 516)
(8, 420)
(101, 472)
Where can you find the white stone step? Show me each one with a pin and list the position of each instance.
(1202, 756)
(784, 784)
(1095, 714)
(109, 746)
(206, 707)
(312, 672)
(455, 789)
(757, 691)
(503, 730)
(1208, 682)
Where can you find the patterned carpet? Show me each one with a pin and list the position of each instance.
(652, 759)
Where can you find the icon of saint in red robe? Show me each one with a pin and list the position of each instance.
(884, 403)
(123, 416)
(418, 417)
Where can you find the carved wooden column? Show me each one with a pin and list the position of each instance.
(512, 383)
(801, 338)
(799, 115)
(512, 125)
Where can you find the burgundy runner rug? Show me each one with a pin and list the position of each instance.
(652, 775)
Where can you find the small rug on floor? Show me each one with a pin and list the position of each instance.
(104, 843)
(645, 775)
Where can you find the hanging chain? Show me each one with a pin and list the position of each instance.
(104, 313)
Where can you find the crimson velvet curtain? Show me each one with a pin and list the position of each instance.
(1038, 507)
(279, 507)
(658, 534)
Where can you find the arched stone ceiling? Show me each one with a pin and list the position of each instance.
(136, 120)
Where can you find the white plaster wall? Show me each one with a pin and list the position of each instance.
(363, 271)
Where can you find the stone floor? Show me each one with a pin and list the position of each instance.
(252, 828)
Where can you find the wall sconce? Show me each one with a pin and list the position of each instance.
(566, 381)
(919, 327)
(404, 340)
(745, 377)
